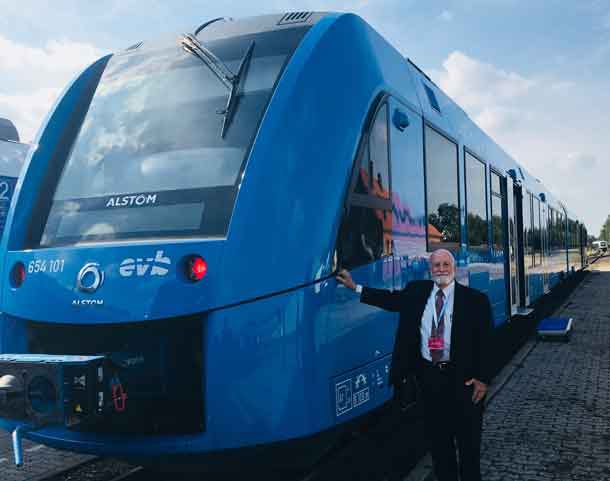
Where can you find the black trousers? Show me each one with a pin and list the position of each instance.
(449, 416)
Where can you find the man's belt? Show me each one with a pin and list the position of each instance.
(441, 365)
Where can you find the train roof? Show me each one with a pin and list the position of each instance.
(434, 104)
(220, 28)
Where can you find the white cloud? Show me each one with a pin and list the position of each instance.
(32, 77)
(446, 15)
(57, 58)
(479, 86)
(28, 110)
(536, 119)
(486, 92)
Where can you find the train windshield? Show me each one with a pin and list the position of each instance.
(150, 160)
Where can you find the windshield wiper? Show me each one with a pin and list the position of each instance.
(233, 82)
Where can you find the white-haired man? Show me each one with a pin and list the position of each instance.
(444, 339)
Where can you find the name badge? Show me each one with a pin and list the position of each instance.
(436, 343)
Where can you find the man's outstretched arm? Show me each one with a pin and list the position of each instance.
(388, 300)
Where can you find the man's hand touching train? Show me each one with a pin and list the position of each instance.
(345, 278)
(480, 389)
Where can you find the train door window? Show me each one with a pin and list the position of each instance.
(552, 231)
(537, 232)
(378, 151)
(549, 228)
(442, 197)
(555, 229)
(527, 229)
(476, 204)
(496, 214)
(495, 184)
(366, 230)
(573, 234)
(561, 231)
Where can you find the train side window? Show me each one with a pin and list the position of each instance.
(366, 230)
(476, 204)
(442, 199)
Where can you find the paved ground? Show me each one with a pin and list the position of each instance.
(551, 421)
(39, 461)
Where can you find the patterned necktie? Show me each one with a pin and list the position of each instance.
(439, 329)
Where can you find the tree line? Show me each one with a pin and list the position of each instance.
(604, 233)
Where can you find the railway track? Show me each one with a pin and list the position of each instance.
(370, 454)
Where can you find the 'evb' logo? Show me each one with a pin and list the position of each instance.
(140, 266)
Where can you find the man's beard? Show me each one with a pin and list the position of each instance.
(442, 280)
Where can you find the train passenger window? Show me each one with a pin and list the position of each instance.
(366, 230)
(476, 204)
(496, 214)
(442, 199)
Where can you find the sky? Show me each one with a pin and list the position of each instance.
(532, 73)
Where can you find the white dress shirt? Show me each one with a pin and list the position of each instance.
(428, 318)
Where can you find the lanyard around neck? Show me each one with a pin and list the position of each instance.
(435, 318)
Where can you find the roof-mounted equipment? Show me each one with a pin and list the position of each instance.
(294, 17)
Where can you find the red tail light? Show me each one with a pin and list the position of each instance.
(18, 274)
(197, 268)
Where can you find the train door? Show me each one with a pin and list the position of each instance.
(544, 234)
(408, 193)
(499, 275)
(364, 247)
(520, 201)
(515, 256)
(528, 240)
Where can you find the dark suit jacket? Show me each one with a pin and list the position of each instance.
(471, 329)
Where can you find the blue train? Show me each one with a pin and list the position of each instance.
(168, 290)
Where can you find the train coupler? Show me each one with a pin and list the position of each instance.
(43, 390)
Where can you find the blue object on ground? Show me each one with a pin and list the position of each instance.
(557, 327)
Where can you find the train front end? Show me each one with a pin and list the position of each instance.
(120, 292)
